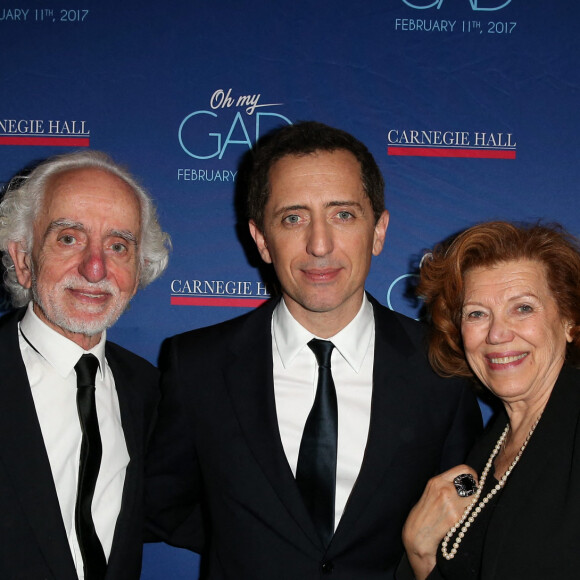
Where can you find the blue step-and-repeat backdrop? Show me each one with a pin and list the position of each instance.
(469, 106)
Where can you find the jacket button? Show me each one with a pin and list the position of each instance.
(327, 567)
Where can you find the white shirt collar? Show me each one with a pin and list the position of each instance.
(60, 352)
(352, 341)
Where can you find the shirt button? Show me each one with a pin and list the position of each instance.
(327, 567)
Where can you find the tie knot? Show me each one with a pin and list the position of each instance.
(86, 370)
(322, 350)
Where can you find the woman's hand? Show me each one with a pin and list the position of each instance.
(439, 508)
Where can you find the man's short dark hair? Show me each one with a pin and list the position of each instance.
(306, 138)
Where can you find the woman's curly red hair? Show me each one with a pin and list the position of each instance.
(485, 245)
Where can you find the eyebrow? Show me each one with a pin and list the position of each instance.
(329, 204)
(125, 235)
(62, 224)
(525, 296)
(59, 224)
(521, 296)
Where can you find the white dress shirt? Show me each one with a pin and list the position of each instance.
(50, 358)
(296, 379)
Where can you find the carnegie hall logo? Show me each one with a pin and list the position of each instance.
(441, 143)
(222, 130)
(236, 293)
(45, 132)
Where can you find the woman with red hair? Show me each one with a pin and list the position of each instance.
(504, 303)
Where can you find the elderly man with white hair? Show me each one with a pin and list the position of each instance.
(78, 237)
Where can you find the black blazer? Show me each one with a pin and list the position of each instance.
(218, 445)
(33, 543)
(534, 530)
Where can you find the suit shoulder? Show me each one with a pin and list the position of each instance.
(211, 336)
(11, 318)
(399, 325)
(384, 313)
(411, 338)
(127, 358)
(413, 327)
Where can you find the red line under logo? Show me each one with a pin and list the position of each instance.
(46, 141)
(198, 301)
(452, 152)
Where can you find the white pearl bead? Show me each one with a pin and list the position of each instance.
(465, 526)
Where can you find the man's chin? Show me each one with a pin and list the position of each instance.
(84, 319)
(87, 328)
(85, 324)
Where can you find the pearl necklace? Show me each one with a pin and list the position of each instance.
(466, 520)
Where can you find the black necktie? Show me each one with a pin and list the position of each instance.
(95, 563)
(316, 469)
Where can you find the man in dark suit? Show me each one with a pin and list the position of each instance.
(78, 237)
(303, 433)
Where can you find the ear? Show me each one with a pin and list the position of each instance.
(260, 242)
(568, 326)
(380, 233)
(21, 259)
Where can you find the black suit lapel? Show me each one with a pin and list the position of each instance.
(24, 457)
(129, 410)
(390, 399)
(249, 378)
(127, 403)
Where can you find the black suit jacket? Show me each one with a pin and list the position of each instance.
(534, 532)
(218, 445)
(33, 543)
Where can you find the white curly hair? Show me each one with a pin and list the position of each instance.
(23, 199)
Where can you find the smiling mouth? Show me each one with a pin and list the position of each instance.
(90, 295)
(508, 359)
(326, 275)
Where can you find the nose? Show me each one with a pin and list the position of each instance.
(93, 265)
(499, 331)
(320, 241)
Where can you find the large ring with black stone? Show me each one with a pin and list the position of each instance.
(465, 485)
